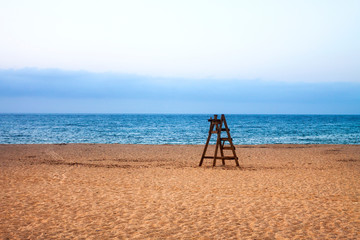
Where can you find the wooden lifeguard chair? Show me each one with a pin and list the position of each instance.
(220, 126)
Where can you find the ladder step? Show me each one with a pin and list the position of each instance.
(214, 132)
(225, 139)
(224, 129)
(226, 158)
(215, 121)
(229, 148)
(223, 158)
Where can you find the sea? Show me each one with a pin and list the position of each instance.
(177, 128)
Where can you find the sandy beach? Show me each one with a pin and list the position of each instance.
(103, 191)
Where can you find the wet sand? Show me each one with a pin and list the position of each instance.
(99, 191)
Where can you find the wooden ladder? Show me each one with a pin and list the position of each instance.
(220, 126)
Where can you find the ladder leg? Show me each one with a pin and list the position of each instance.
(222, 153)
(234, 152)
(237, 162)
(218, 142)
(230, 140)
(221, 145)
(206, 145)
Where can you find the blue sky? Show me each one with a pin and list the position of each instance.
(180, 56)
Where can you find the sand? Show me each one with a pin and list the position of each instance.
(99, 191)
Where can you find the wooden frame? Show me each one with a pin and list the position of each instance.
(220, 126)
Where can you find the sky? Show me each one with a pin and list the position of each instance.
(157, 56)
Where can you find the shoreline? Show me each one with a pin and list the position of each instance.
(170, 144)
(159, 191)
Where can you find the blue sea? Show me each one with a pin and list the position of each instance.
(176, 129)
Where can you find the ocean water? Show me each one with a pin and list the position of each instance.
(176, 129)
